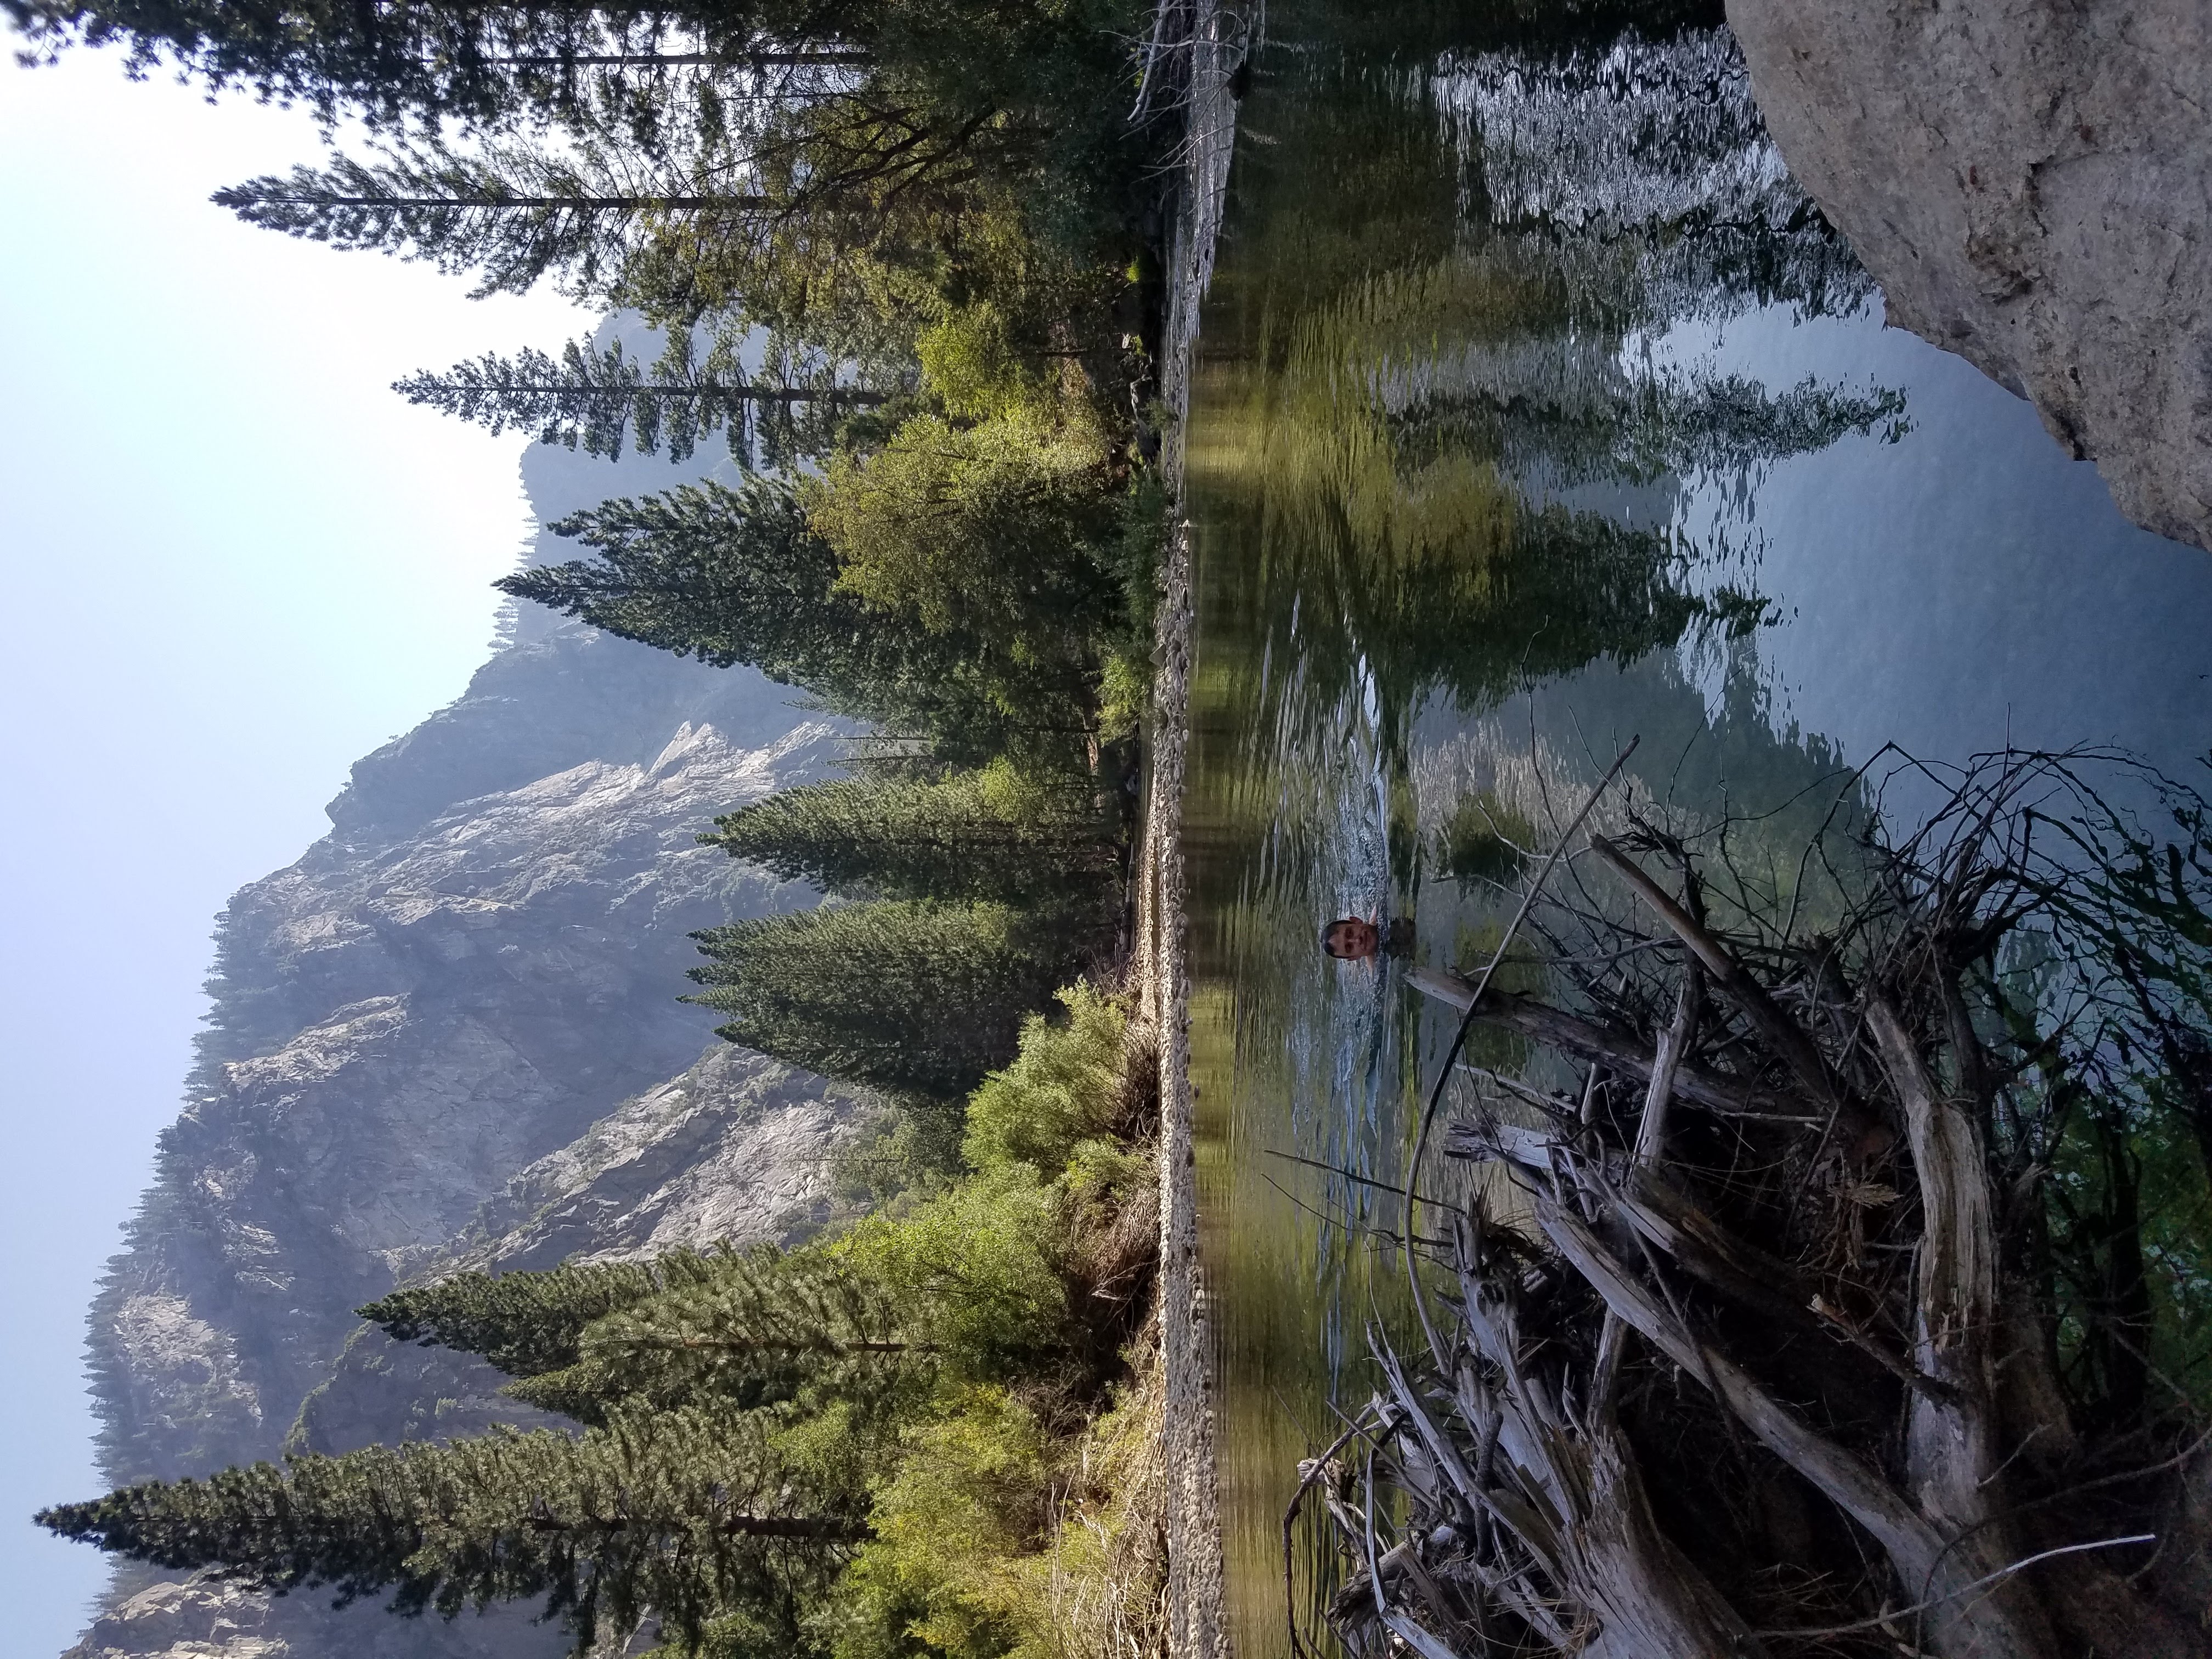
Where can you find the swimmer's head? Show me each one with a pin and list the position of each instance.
(1349, 939)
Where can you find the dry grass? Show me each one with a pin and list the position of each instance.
(1103, 1575)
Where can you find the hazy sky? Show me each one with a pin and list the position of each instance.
(234, 562)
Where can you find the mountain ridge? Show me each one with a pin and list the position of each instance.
(449, 1035)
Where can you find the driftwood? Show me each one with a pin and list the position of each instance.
(1773, 1339)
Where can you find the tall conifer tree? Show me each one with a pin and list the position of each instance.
(747, 1328)
(908, 995)
(514, 213)
(689, 1513)
(738, 576)
(986, 833)
(527, 1323)
(427, 62)
(593, 398)
(754, 1329)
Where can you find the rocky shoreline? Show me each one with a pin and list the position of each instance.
(1160, 969)
(1162, 975)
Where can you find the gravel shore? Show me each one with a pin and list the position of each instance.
(1219, 40)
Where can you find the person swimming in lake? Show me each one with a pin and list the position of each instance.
(1349, 939)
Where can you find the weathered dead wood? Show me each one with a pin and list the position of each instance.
(1588, 1041)
(1951, 1449)
(2032, 1413)
(1569, 1492)
(1649, 1151)
(1962, 1623)
(1951, 1453)
(1312, 1472)
(2016, 1502)
(1659, 1096)
(1651, 1599)
(1863, 1131)
(1669, 1220)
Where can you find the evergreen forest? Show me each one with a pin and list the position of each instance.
(920, 1434)
(899, 259)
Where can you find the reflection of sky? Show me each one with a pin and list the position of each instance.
(1966, 587)
(1963, 588)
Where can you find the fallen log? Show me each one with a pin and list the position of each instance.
(1641, 1319)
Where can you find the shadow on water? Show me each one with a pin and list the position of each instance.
(1481, 489)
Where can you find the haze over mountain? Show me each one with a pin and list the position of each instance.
(450, 1032)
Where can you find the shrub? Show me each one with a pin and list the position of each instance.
(986, 528)
(977, 1263)
(1064, 1087)
(954, 1529)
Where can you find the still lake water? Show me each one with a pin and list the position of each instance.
(1536, 410)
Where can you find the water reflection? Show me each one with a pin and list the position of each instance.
(1538, 409)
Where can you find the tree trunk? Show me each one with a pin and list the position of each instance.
(1951, 1456)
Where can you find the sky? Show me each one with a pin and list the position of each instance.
(232, 561)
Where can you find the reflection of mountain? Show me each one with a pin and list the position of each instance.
(422, 1040)
(1595, 138)
(1967, 587)
(1650, 145)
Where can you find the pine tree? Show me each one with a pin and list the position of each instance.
(909, 995)
(426, 61)
(526, 1323)
(691, 1513)
(738, 576)
(984, 834)
(726, 575)
(753, 1328)
(747, 1328)
(512, 212)
(762, 185)
(591, 398)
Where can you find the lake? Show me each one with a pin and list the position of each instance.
(1537, 410)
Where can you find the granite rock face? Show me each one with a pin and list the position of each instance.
(2031, 183)
(205, 1619)
(449, 1035)
(736, 1148)
(739, 1148)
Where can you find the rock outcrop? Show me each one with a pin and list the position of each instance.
(205, 1619)
(739, 1148)
(2031, 183)
(449, 1035)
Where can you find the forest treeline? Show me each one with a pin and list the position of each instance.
(923, 1434)
(899, 259)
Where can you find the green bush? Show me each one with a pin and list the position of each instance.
(968, 360)
(987, 527)
(976, 1264)
(1063, 1087)
(920, 996)
(955, 1529)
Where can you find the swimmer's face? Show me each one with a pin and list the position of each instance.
(1350, 939)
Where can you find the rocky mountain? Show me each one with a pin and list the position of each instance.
(2031, 183)
(449, 1035)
